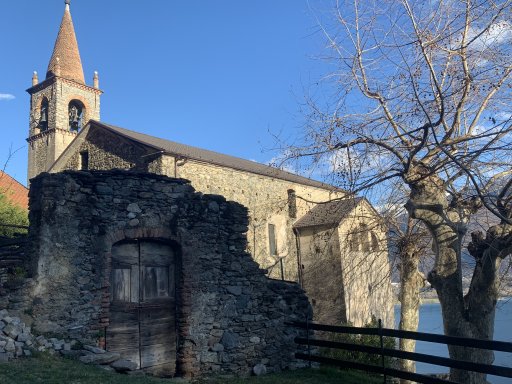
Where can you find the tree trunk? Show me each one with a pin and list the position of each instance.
(411, 281)
(472, 316)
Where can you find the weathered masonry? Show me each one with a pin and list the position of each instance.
(160, 270)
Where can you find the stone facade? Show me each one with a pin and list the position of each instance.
(229, 316)
(267, 199)
(351, 261)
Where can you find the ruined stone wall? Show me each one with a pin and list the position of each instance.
(230, 317)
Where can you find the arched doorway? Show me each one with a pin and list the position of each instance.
(143, 304)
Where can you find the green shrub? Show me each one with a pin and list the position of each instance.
(359, 357)
(11, 215)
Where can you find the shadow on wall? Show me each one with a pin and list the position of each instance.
(146, 258)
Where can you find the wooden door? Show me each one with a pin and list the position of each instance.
(142, 312)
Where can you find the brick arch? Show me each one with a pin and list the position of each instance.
(40, 101)
(79, 98)
(36, 106)
(37, 113)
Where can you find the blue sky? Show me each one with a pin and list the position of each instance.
(217, 74)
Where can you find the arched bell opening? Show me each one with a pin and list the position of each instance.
(76, 113)
(42, 124)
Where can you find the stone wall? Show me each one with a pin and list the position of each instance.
(322, 274)
(267, 201)
(346, 271)
(265, 197)
(120, 155)
(365, 268)
(230, 317)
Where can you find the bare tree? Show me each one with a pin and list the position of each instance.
(423, 94)
(408, 245)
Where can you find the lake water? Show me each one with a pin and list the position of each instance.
(431, 322)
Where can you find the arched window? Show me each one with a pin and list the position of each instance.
(375, 242)
(76, 114)
(292, 204)
(43, 115)
(354, 241)
(365, 241)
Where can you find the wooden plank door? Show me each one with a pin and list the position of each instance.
(142, 321)
(123, 332)
(157, 314)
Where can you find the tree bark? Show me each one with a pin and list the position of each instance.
(471, 316)
(411, 281)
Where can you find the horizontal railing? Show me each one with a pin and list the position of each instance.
(394, 353)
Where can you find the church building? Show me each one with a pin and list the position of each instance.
(301, 230)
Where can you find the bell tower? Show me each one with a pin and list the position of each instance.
(61, 104)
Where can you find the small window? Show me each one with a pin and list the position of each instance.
(121, 286)
(354, 240)
(365, 241)
(156, 282)
(84, 160)
(272, 239)
(292, 204)
(375, 242)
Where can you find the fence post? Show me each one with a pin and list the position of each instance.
(307, 336)
(382, 351)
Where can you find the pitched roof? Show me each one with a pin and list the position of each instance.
(65, 61)
(14, 191)
(189, 152)
(330, 213)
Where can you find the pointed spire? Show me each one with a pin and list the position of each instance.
(66, 57)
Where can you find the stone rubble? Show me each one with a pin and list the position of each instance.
(16, 341)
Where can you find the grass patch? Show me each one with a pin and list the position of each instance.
(52, 370)
(302, 376)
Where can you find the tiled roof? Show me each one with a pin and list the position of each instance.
(189, 152)
(330, 213)
(14, 191)
(66, 50)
